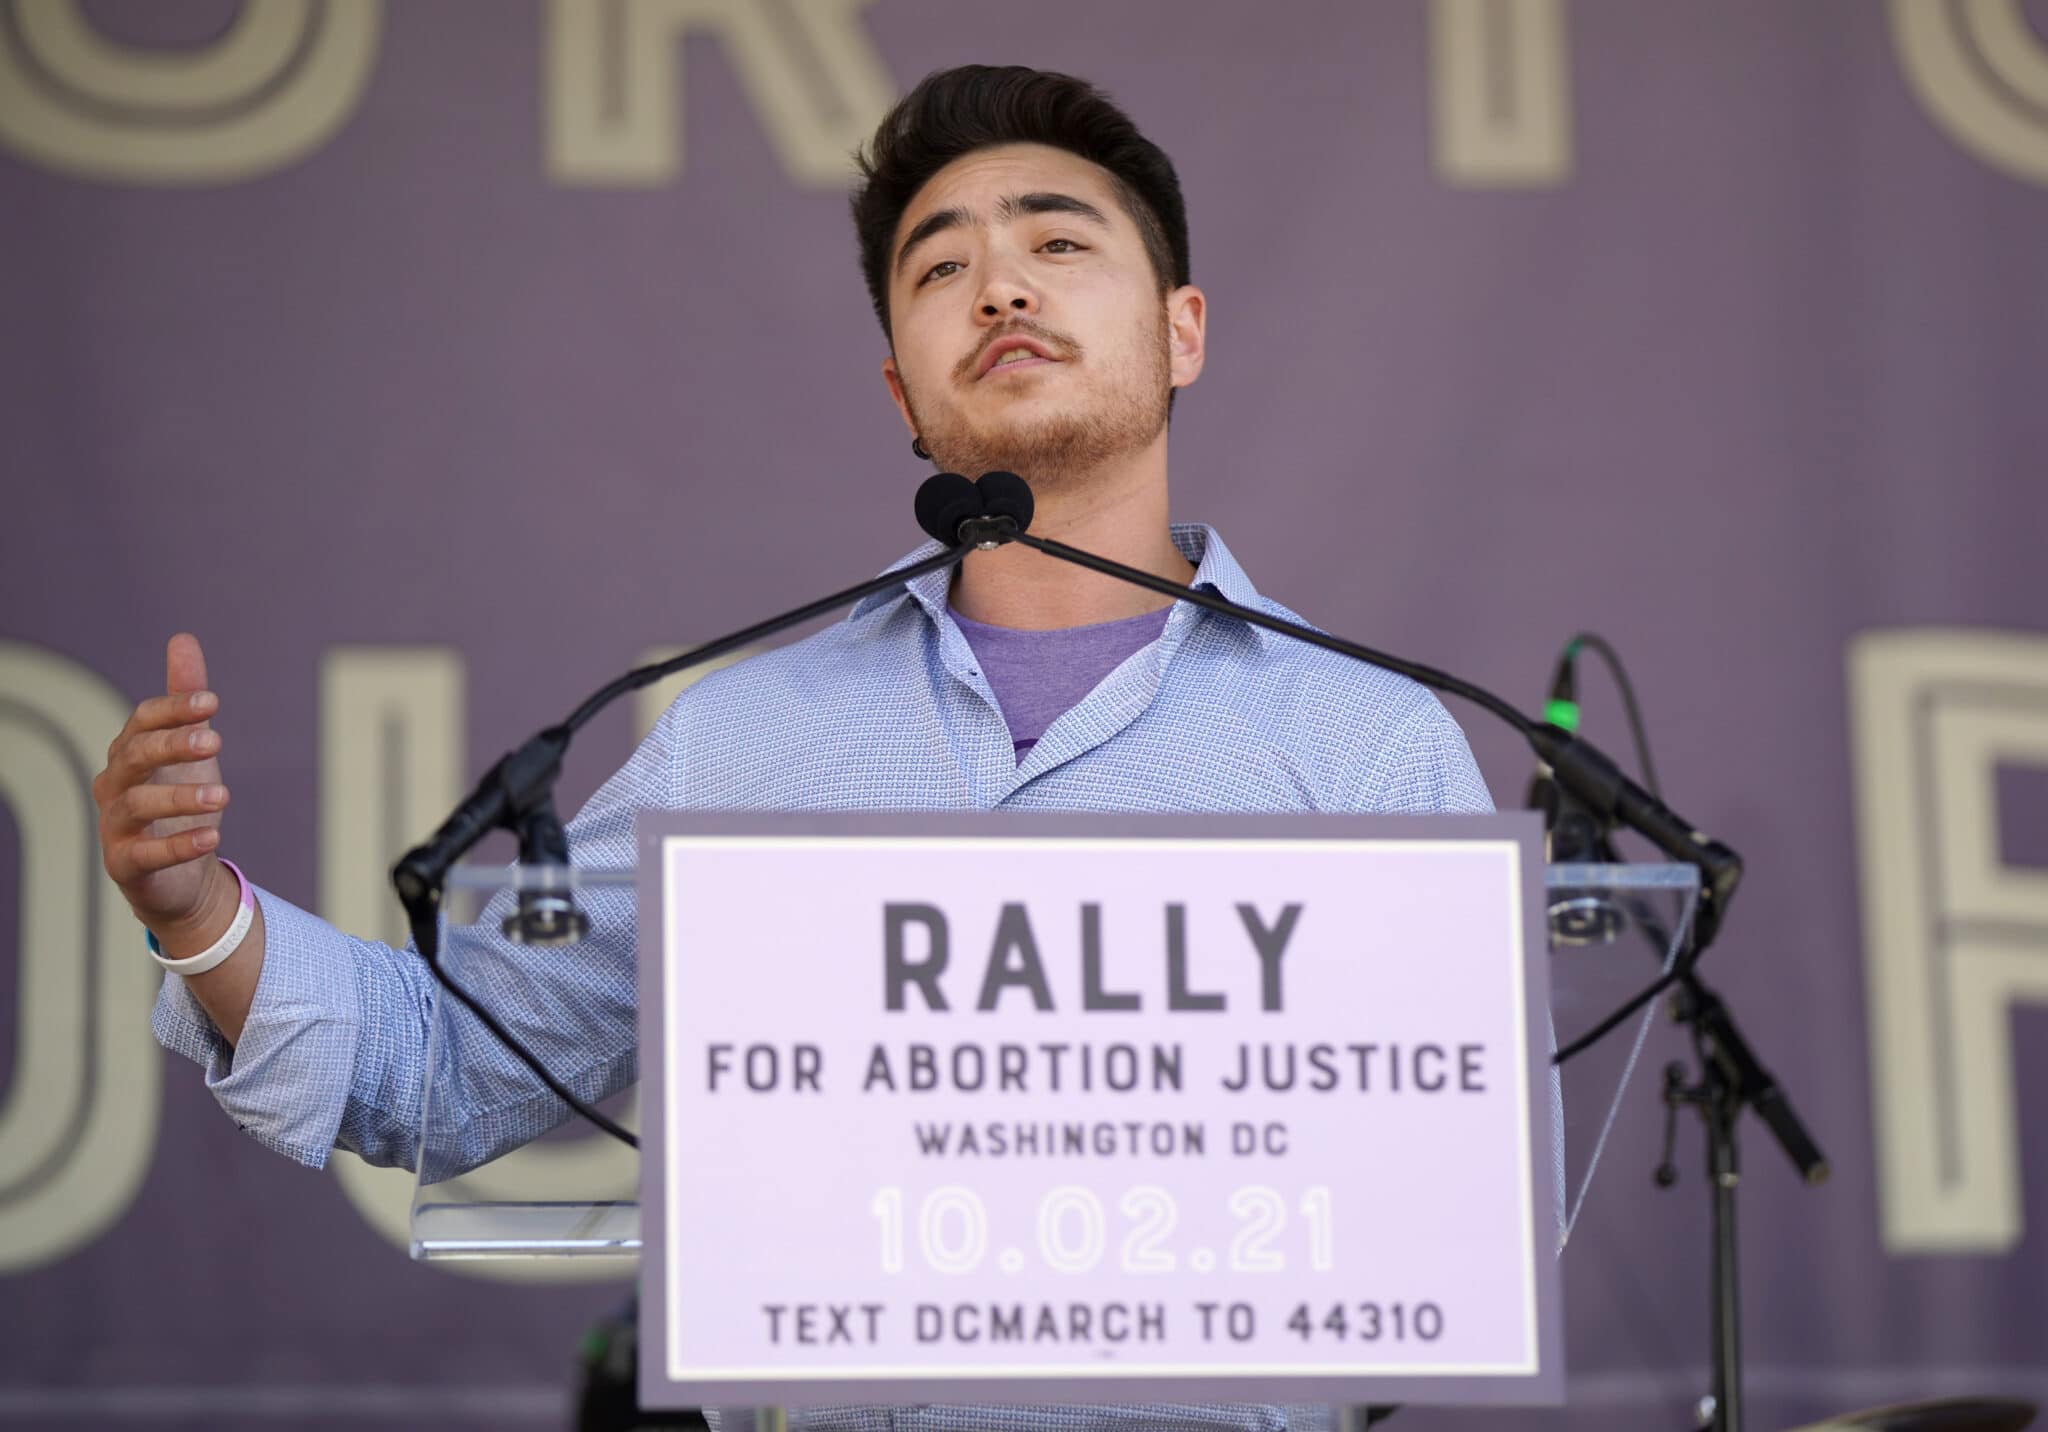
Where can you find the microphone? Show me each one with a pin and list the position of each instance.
(1562, 709)
(986, 514)
(1008, 495)
(1572, 835)
(944, 501)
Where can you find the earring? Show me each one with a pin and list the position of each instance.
(917, 447)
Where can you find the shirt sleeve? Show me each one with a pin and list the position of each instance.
(1429, 769)
(334, 1051)
(288, 1082)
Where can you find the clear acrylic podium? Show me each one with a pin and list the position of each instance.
(572, 1194)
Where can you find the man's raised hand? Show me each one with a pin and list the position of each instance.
(160, 800)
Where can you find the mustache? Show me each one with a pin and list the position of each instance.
(1062, 347)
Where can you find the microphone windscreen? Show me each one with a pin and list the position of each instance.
(946, 500)
(1004, 494)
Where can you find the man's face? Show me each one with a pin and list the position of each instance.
(1030, 331)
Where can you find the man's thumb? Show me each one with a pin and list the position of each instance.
(184, 665)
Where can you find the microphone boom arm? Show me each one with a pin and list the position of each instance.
(517, 794)
(1579, 766)
(512, 785)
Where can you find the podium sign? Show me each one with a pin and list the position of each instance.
(1095, 1109)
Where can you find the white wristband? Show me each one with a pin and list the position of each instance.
(219, 950)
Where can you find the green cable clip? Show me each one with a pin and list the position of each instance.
(1561, 713)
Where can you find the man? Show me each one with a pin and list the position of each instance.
(1026, 250)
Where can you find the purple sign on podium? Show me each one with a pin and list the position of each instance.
(1095, 1109)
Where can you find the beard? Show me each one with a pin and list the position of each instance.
(1059, 449)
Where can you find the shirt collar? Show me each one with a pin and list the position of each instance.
(1215, 569)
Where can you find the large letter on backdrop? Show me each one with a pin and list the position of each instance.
(79, 1123)
(1952, 935)
(391, 752)
(816, 106)
(1981, 73)
(275, 87)
(1500, 90)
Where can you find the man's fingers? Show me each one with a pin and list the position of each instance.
(139, 805)
(160, 795)
(146, 857)
(144, 754)
(158, 712)
(184, 664)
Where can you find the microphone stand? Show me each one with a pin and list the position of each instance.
(517, 794)
(1731, 1076)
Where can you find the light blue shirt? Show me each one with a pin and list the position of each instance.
(886, 710)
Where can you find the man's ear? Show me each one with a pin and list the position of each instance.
(895, 382)
(1187, 326)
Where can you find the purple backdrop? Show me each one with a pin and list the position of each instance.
(1761, 371)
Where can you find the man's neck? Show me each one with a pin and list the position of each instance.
(1118, 513)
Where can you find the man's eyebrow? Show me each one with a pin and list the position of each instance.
(933, 223)
(1047, 203)
(1042, 202)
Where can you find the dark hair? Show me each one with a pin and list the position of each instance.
(956, 112)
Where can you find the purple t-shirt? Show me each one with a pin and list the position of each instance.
(1037, 676)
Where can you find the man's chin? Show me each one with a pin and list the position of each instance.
(1019, 452)
(1038, 445)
